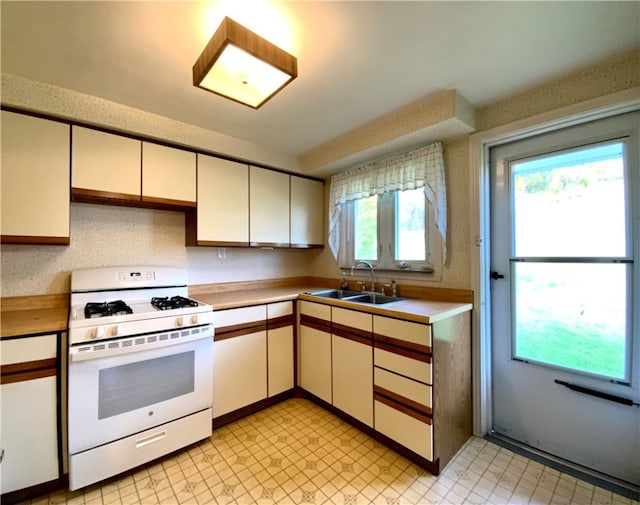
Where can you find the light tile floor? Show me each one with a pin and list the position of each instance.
(296, 453)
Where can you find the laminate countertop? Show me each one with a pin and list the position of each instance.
(421, 311)
(35, 321)
(15, 323)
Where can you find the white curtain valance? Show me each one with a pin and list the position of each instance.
(421, 168)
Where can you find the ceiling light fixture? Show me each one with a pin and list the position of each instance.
(242, 66)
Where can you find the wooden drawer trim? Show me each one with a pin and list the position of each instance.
(169, 203)
(268, 245)
(315, 323)
(355, 334)
(423, 356)
(95, 195)
(33, 240)
(28, 370)
(396, 342)
(401, 407)
(237, 330)
(280, 322)
(307, 246)
(418, 407)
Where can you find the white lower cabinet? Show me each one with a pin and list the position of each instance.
(28, 418)
(352, 381)
(352, 363)
(239, 358)
(315, 349)
(415, 434)
(239, 372)
(280, 347)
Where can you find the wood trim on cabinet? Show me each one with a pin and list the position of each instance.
(237, 330)
(355, 334)
(95, 195)
(34, 240)
(306, 246)
(401, 344)
(417, 406)
(28, 370)
(270, 245)
(402, 351)
(401, 407)
(280, 322)
(169, 203)
(315, 323)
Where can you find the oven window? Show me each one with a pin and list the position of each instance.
(129, 387)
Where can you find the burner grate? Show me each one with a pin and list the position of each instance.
(104, 309)
(175, 302)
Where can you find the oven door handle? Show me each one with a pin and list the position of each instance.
(99, 350)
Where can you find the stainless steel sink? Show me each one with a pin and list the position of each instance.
(335, 293)
(374, 298)
(355, 296)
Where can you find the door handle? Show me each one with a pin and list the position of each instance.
(496, 275)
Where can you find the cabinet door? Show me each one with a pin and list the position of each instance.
(28, 412)
(315, 362)
(35, 180)
(307, 212)
(352, 378)
(104, 165)
(168, 175)
(268, 208)
(239, 372)
(223, 202)
(29, 433)
(406, 427)
(279, 347)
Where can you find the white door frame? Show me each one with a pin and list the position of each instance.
(479, 219)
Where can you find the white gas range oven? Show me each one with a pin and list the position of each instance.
(140, 369)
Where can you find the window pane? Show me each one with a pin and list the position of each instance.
(409, 225)
(366, 228)
(570, 204)
(572, 315)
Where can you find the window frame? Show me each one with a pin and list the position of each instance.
(386, 246)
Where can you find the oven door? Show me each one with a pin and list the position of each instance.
(114, 396)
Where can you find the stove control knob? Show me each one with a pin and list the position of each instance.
(179, 321)
(116, 330)
(194, 319)
(99, 333)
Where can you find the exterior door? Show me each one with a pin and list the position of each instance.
(565, 235)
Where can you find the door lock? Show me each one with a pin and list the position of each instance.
(496, 275)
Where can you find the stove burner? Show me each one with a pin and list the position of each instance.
(175, 302)
(114, 308)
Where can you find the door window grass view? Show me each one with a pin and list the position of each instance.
(571, 313)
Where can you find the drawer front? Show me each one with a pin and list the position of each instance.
(243, 315)
(279, 309)
(408, 431)
(414, 333)
(316, 310)
(22, 350)
(402, 389)
(403, 365)
(351, 318)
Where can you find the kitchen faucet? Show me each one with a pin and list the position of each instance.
(367, 264)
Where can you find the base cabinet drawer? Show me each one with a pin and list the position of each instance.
(413, 433)
(419, 370)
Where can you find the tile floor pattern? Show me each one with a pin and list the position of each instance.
(297, 453)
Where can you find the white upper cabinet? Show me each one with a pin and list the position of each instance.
(104, 165)
(168, 175)
(35, 180)
(307, 214)
(268, 208)
(222, 216)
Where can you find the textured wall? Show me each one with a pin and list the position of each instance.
(609, 76)
(113, 236)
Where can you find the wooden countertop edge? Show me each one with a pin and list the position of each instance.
(34, 315)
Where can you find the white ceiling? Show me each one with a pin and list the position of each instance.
(356, 60)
